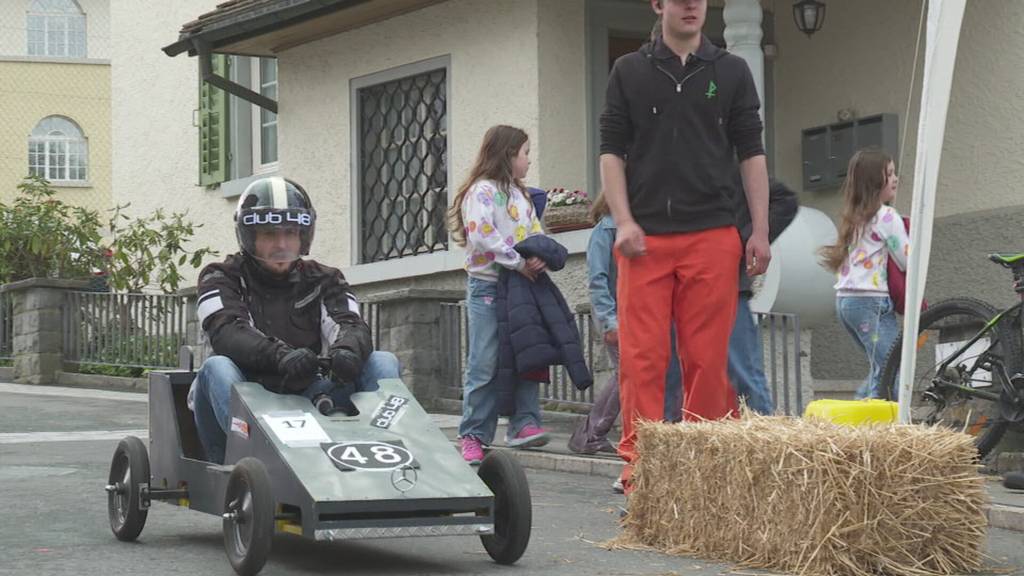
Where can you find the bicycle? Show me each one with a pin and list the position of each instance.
(970, 361)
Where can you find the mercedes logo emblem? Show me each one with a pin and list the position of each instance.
(404, 478)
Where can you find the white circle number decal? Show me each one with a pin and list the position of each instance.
(369, 455)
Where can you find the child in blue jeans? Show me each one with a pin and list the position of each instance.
(870, 233)
(490, 215)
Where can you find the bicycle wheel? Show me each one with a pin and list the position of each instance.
(944, 329)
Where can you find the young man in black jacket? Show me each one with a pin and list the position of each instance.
(268, 314)
(679, 113)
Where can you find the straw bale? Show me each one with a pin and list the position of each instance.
(809, 497)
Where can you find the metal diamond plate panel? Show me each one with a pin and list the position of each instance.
(404, 532)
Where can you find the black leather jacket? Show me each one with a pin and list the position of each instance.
(255, 319)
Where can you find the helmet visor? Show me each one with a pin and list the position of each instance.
(275, 236)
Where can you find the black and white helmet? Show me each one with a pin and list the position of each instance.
(274, 203)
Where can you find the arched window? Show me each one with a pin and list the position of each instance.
(56, 28)
(58, 151)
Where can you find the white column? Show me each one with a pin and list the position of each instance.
(743, 38)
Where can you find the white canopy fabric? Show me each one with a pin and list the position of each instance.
(941, 40)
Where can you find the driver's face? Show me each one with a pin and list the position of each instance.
(277, 248)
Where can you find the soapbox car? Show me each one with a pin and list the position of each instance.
(387, 471)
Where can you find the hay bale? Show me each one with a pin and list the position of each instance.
(809, 497)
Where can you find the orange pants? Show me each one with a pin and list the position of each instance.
(692, 279)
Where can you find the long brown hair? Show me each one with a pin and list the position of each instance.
(862, 197)
(493, 162)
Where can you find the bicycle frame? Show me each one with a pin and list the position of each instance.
(998, 368)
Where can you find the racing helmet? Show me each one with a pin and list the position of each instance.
(274, 203)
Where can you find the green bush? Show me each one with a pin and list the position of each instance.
(41, 237)
(108, 370)
(148, 251)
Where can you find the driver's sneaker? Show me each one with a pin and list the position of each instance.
(530, 436)
(472, 450)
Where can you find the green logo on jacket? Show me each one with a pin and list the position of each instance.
(712, 90)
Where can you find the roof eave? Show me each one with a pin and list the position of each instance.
(251, 24)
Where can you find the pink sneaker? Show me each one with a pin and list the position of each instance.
(530, 437)
(472, 450)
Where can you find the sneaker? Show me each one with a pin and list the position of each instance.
(530, 437)
(602, 446)
(472, 450)
(617, 486)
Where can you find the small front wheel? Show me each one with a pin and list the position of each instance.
(248, 517)
(513, 510)
(129, 475)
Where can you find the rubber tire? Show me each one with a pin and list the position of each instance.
(130, 452)
(251, 473)
(513, 509)
(988, 440)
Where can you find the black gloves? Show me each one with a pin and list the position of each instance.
(298, 367)
(346, 365)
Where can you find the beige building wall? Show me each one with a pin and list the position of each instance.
(499, 73)
(155, 138)
(13, 19)
(836, 69)
(863, 61)
(32, 88)
(564, 123)
(493, 79)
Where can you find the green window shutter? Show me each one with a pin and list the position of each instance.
(213, 128)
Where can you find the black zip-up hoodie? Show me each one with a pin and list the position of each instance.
(681, 130)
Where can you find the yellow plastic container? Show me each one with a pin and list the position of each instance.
(854, 412)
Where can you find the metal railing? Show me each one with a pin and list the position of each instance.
(454, 336)
(133, 330)
(779, 333)
(783, 358)
(370, 311)
(6, 326)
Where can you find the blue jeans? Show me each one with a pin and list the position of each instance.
(872, 323)
(592, 432)
(746, 361)
(480, 394)
(218, 374)
(673, 383)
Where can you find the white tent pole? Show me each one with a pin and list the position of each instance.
(943, 35)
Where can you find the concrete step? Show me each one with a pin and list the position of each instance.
(836, 389)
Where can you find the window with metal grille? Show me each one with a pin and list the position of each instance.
(402, 162)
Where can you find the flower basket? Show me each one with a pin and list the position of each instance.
(566, 211)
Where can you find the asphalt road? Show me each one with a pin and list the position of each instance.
(54, 457)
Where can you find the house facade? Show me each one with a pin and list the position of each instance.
(55, 84)
(380, 106)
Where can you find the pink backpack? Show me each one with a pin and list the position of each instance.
(897, 280)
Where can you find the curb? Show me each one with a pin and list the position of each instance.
(536, 460)
(1005, 517)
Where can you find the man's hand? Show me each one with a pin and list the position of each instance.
(611, 338)
(346, 365)
(630, 240)
(759, 253)
(298, 367)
